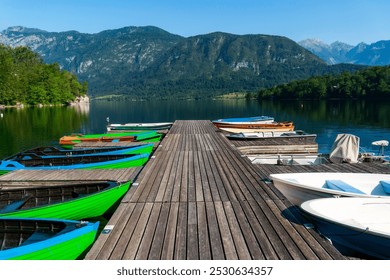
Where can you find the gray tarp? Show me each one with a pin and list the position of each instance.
(345, 149)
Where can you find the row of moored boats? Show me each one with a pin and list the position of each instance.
(350, 209)
(49, 221)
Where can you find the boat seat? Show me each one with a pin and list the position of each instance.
(385, 186)
(13, 206)
(36, 237)
(340, 185)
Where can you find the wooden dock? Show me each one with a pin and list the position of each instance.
(199, 198)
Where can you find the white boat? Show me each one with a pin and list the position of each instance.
(358, 227)
(255, 130)
(245, 120)
(288, 159)
(300, 187)
(271, 134)
(139, 126)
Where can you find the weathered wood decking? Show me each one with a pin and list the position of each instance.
(59, 176)
(199, 198)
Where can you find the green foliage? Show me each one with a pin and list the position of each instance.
(373, 82)
(24, 78)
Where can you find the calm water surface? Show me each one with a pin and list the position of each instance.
(29, 127)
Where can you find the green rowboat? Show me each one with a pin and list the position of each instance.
(44, 239)
(70, 201)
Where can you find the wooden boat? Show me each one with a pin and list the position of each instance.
(44, 239)
(263, 135)
(359, 227)
(300, 187)
(52, 151)
(77, 162)
(262, 126)
(68, 201)
(67, 142)
(281, 128)
(245, 120)
(139, 126)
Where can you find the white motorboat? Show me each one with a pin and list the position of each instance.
(288, 159)
(359, 227)
(271, 134)
(139, 126)
(300, 187)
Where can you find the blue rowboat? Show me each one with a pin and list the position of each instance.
(55, 152)
(245, 120)
(84, 162)
(44, 239)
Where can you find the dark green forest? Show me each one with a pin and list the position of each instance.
(370, 83)
(25, 79)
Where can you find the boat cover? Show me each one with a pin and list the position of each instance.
(345, 149)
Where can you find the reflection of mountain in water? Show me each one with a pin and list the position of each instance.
(82, 108)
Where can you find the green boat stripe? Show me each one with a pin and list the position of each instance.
(53, 241)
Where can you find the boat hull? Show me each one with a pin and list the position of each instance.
(67, 142)
(301, 187)
(245, 120)
(288, 159)
(255, 130)
(139, 126)
(90, 162)
(257, 126)
(54, 152)
(358, 227)
(66, 244)
(82, 207)
(266, 135)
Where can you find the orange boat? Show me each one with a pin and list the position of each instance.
(69, 141)
(274, 126)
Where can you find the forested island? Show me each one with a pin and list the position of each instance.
(371, 83)
(26, 79)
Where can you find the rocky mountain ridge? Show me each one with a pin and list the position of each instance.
(150, 62)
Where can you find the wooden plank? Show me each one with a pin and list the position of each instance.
(147, 236)
(192, 232)
(236, 232)
(181, 233)
(129, 241)
(106, 241)
(191, 192)
(168, 249)
(215, 236)
(203, 232)
(205, 191)
(178, 178)
(198, 191)
(183, 193)
(227, 239)
(127, 232)
(159, 235)
(172, 177)
(165, 179)
(269, 232)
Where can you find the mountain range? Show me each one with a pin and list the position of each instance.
(146, 62)
(375, 54)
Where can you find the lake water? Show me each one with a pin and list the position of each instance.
(30, 127)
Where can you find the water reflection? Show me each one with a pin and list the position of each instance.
(22, 128)
(28, 127)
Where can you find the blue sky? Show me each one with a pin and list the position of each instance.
(349, 21)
